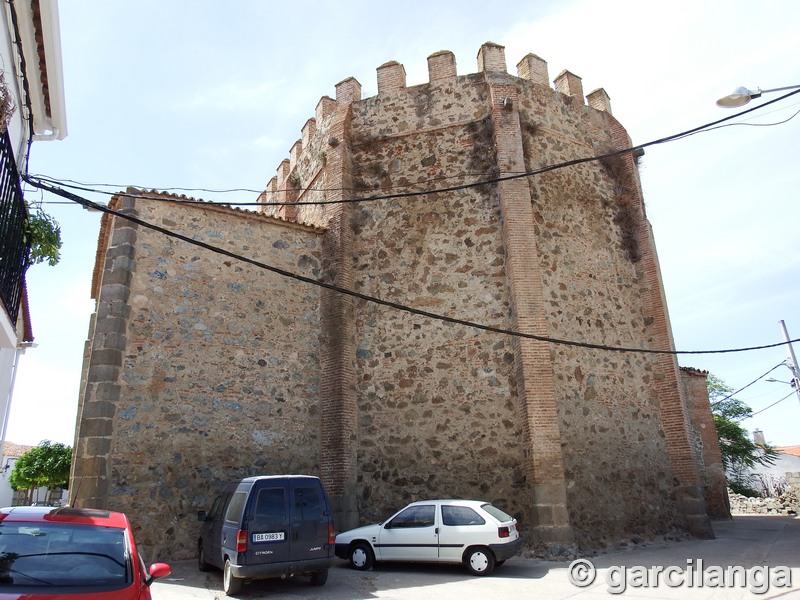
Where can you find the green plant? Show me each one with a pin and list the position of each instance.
(739, 453)
(46, 465)
(44, 235)
(743, 489)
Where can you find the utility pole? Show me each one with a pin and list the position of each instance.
(792, 364)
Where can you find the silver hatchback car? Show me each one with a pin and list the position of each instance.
(472, 532)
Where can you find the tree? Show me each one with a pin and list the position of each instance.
(42, 231)
(44, 235)
(740, 454)
(46, 465)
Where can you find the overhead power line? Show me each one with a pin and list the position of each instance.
(423, 313)
(741, 389)
(789, 395)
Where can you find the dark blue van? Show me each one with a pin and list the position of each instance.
(268, 526)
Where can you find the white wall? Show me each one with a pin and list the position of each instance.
(7, 494)
(16, 129)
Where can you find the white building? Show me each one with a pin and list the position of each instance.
(31, 108)
(10, 453)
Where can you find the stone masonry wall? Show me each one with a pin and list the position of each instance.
(608, 408)
(210, 386)
(437, 402)
(710, 466)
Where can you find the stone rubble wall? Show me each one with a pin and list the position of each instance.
(787, 503)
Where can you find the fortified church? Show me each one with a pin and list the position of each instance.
(407, 315)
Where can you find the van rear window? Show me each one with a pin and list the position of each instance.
(236, 507)
(308, 504)
(271, 505)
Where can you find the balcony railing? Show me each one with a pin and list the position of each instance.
(14, 249)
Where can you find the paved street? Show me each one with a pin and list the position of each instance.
(747, 541)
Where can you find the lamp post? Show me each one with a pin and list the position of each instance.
(792, 362)
(741, 95)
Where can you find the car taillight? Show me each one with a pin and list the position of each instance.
(241, 540)
(503, 532)
(331, 534)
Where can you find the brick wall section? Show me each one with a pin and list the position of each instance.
(710, 467)
(534, 69)
(391, 76)
(338, 460)
(569, 84)
(536, 389)
(599, 100)
(441, 66)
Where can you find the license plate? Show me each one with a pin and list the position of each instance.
(275, 536)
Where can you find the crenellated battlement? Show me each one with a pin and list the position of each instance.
(308, 155)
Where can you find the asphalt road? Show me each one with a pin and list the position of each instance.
(762, 545)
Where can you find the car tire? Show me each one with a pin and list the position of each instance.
(202, 565)
(231, 585)
(479, 561)
(361, 556)
(320, 577)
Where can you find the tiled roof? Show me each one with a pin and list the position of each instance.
(793, 450)
(12, 449)
(693, 371)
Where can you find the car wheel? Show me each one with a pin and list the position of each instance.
(361, 556)
(479, 561)
(230, 584)
(320, 577)
(201, 558)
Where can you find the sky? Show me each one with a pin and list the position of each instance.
(209, 95)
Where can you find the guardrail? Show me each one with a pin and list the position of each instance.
(14, 247)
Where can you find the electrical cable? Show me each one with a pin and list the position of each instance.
(756, 380)
(93, 205)
(695, 130)
(25, 86)
(771, 405)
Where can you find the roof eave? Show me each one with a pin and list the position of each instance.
(41, 44)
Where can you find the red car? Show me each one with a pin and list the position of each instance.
(66, 553)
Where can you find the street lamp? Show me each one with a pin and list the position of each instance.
(741, 96)
(792, 362)
(773, 380)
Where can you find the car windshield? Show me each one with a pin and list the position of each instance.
(62, 554)
(498, 514)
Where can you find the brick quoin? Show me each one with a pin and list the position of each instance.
(674, 412)
(338, 450)
(533, 364)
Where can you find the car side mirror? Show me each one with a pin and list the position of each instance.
(157, 570)
(201, 515)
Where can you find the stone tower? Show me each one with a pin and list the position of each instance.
(422, 307)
